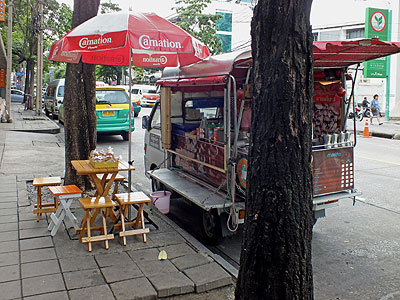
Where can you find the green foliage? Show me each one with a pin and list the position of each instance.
(56, 22)
(108, 7)
(198, 24)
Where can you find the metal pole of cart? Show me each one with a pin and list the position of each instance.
(130, 129)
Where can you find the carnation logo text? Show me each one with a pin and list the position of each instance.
(92, 44)
(146, 43)
(155, 60)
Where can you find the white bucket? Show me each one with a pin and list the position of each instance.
(161, 200)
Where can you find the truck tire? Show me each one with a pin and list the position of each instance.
(211, 227)
(125, 136)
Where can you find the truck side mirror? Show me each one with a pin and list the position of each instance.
(145, 122)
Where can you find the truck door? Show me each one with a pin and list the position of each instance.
(154, 155)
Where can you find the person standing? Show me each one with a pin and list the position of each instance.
(375, 109)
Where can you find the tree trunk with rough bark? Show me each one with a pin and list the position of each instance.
(29, 83)
(276, 251)
(80, 103)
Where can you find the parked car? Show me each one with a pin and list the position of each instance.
(54, 97)
(135, 101)
(112, 111)
(17, 96)
(147, 94)
(112, 107)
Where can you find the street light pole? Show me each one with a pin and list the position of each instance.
(9, 60)
(39, 77)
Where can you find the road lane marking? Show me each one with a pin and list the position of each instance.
(379, 160)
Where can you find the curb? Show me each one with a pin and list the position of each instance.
(391, 136)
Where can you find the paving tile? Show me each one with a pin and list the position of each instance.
(30, 216)
(178, 250)
(32, 224)
(49, 296)
(208, 277)
(171, 284)
(162, 239)
(36, 243)
(144, 255)
(118, 273)
(38, 255)
(102, 292)
(42, 284)
(9, 236)
(7, 259)
(78, 263)
(10, 246)
(190, 261)
(138, 288)
(33, 232)
(39, 268)
(9, 273)
(8, 193)
(156, 267)
(112, 259)
(10, 290)
(8, 219)
(85, 278)
(8, 205)
(8, 226)
(8, 211)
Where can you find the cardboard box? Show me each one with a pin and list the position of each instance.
(104, 164)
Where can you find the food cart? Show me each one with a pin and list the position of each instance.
(197, 135)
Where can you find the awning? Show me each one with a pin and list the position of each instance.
(329, 54)
(340, 54)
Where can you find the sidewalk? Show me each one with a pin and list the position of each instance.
(389, 130)
(34, 265)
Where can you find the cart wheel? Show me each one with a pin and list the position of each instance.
(212, 230)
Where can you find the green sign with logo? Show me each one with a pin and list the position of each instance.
(377, 25)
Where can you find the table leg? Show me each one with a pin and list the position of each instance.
(103, 215)
(39, 202)
(122, 210)
(88, 232)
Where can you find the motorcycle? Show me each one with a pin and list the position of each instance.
(361, 112)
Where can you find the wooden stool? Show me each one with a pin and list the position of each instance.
(125, 200)
(102, 205)
(65, 194)
(38, 183)
(118, 179)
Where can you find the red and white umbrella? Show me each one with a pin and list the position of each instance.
(107, 38)
(123, 38)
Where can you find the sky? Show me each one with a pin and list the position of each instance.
(323, 12)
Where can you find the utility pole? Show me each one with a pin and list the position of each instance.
(9, 59)
(39, 75)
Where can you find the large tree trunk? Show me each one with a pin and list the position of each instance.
(276, 250)
(80, 102)
(29, 83)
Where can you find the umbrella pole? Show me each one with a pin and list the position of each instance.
(130, 129)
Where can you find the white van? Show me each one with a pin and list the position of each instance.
(54, 97)
(147, 94)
